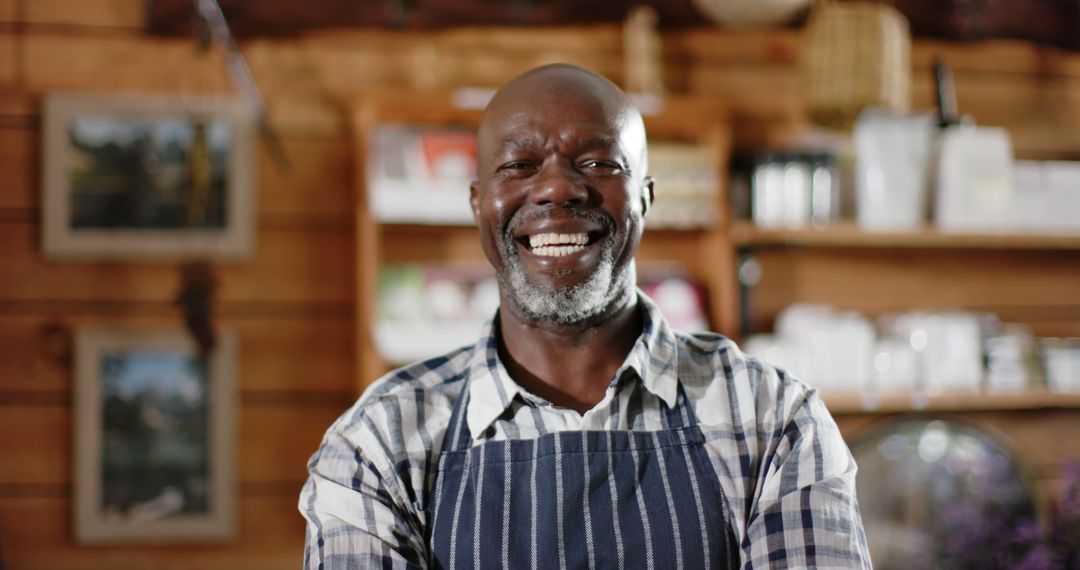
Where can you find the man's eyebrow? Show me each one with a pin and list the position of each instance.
(602, 142)
(529, 143)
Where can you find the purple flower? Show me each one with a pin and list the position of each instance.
(1041, 557)
(1066, 532)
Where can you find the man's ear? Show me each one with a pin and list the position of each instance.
(648, 194)
(474, 201)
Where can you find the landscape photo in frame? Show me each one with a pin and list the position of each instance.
(153, 432)
(151, 177)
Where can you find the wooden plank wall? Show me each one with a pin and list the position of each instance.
(292, 304)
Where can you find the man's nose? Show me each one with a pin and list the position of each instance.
(560, 184)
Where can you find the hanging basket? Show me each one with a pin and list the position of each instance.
(749, 13)
(854, 55)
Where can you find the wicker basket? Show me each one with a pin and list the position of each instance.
(854, 55)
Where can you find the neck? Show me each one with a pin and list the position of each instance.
(568, 365)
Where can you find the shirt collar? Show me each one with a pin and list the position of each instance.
(491, 390)
(653, 359)
(655, 356)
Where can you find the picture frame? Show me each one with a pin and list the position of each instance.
(152, 177)
(154, 437)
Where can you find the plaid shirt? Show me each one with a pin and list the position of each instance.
(787, 473)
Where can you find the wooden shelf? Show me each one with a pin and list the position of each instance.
(847, 234)
(849, 404)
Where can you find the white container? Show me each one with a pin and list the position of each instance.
(895, 367)
(1061, 196)
(802, 320)
(947, 345)
(851, 340)
(824, 190)
(1008, 356)
(768, 192)
(975, 184)
(891, 164)
(953, 355)
(1029, 197)
(797, 187)
(1061, 358)
(828, 349)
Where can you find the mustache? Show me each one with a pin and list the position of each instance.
(571, 211)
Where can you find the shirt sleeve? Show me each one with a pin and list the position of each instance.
(357, 514)
(805, 513)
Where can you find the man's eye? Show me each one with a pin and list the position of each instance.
(516, 165)
(602, 166)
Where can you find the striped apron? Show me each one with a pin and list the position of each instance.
(581, 499)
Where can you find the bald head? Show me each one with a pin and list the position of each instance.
(559, 79)
(562, 86)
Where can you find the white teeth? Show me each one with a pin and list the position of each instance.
(557, 251)
(548, 239)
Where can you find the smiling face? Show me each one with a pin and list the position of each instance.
(561, 195)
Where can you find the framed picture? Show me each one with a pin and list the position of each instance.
(154, 437)
(156, 177)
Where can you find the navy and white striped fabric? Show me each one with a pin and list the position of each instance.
(787, 474)
(588, 499)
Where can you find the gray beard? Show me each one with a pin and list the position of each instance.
(607, 287)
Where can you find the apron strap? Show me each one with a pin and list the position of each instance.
(682, 415)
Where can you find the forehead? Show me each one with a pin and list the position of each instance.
(557, 112)
(526, 129)
(553, 106)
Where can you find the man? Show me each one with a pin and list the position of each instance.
(580, 431)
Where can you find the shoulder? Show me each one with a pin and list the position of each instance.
(427, 378)
(384, 444)
(739, 389)
(402, 412)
